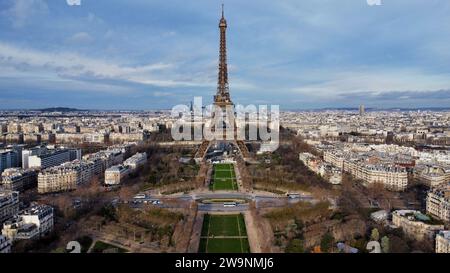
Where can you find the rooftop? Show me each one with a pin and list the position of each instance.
(445, 234)
(417, 216)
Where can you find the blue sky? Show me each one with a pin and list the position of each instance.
(153, 54)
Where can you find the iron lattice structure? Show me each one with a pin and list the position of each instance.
(222, 97)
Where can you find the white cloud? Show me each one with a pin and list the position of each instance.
(22, 11)
(162, 94)
(70, 65)
(377, 81)
(80, 38)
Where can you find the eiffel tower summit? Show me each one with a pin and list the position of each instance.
(223, 123)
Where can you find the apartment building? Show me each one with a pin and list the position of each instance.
(334, 157)
(57, 179)
(331, 173)
(310, 161)
(32, 223)
(62, 138)
(3, 128)
(126, 137)
(5, 245)
(328, 171)
(101, 160)
(14, 128)
(65, 177)
(433, 176)
(416, 224)
(114, 175)
(438, 202)
(13, 138)
(136, 161)
(95, 137)
(30, 128)
(17, 179)
(125, 148)
(443, 241)
(40, 215)
(51, 158)
(392, 176)
(9, 204)
(105, 159)
(114, 156)
(8, 159)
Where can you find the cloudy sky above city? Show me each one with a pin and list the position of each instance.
(153, 54)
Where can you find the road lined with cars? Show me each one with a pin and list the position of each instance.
(220, 201)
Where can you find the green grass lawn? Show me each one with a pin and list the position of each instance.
(224, 234)
(100, 247)
(227, 245)
(224, 177)
(224, 225)
(223, 167)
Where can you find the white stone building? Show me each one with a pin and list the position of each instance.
(415, 224)
(438, 203)
(66, 176)
(9, 204)
(433, 176)
(32, 223)
(17, 179)
(115, 175)
(136, 161)
(391, 176)
(443, 241)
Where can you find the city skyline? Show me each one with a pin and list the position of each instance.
(307, 55)
(229, 177)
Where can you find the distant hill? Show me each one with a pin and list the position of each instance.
(60, 109)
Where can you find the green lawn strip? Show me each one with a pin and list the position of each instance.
(224, 177)
(239, 231)
(223, 225)
(223, 185)
(222, 166)
(224, 245)
(245, 245)
(209, 229)
(223, 174)
(202, 248)
(205, 226)
(243, 230)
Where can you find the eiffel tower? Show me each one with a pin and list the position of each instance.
(222, 101)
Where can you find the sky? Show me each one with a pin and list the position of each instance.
(154, 54)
